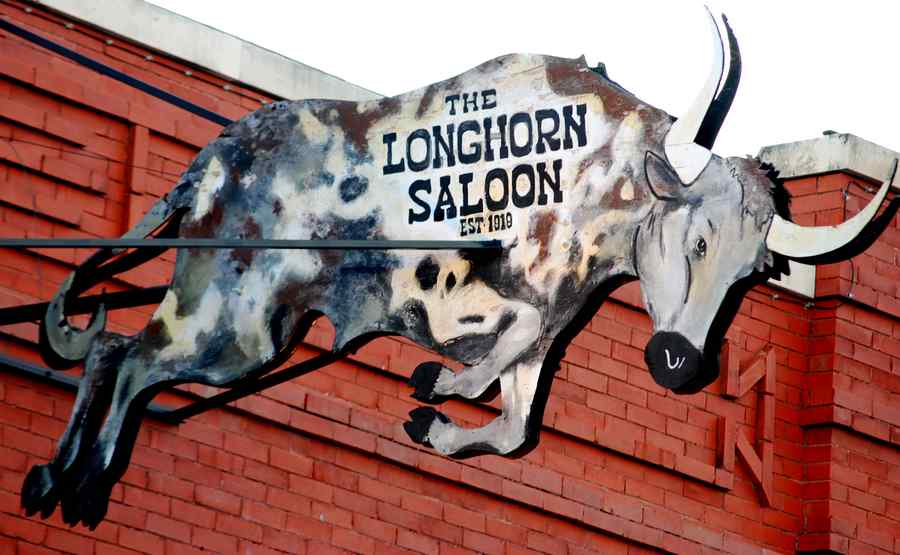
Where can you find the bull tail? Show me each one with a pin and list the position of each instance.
(64, 345)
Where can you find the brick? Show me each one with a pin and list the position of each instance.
(417, 543)
(375, 528)
(441, 530)
(481, 543)
(583, 492)
(422, 504)
(170, 485)
(238, 527)
(627, 393)
(310, 528)
(353, 541)
(542, 478)
(546, 544)
(243, 487)
(73, 543)
(471, 520)
(246, 447)
(214, 541)
(218, 500)
(266, 474)
(22, 113)
(646, 417)
(263, 514)
(28, 530)
(146, 500)
(140, 540)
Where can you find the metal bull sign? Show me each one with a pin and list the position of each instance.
(579, 180)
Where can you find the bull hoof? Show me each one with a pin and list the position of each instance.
(422, 419)
(89, 504)
(423, 379)
(40, 491)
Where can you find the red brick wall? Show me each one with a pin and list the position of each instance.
(800, 452)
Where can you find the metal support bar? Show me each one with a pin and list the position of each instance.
(239, 390)
(247, 387)
(312, 244)
(64, 381)
(113, 73)
(85, 305)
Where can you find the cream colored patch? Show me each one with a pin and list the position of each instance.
(313, 129)
(445, 308)
(627, 190)
(247, 304)
(213, 180)
(183, 330)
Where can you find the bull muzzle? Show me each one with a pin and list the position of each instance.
(673, 361)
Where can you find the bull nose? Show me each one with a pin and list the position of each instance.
(672, 360)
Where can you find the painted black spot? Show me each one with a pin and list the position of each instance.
(427, 273)
(451, 281)
(352, 187)
(472, 319)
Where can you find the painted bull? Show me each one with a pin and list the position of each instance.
(579, 180)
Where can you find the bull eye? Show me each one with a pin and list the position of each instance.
(700, 247)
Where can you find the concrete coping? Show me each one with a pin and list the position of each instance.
(831, 153)
(204, 46)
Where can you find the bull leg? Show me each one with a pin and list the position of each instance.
(518, 383)
(502, 435)
(142, 374)
(432, 380)
(44, 484)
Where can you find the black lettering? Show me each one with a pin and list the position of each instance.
(501, 129)
(545, 179)
(445, 199)
(418, 186)
(545, 137)
(473, 102)
(475, 154)
(526, 200)
(517, 149)
(569, 123)
(488, 146)
(498, 174)
(422, 135)
(451, 99)
(467, 208)
(488, 99)
(441, 144)
(391, 167)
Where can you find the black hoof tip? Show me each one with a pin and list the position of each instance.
(423, 379)
(39, 491)
(418, 427)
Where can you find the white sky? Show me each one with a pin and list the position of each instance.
(808, 65)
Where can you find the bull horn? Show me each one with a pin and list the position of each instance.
(684, 154)
(794, 241)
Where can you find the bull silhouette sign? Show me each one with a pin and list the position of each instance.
(577, 180)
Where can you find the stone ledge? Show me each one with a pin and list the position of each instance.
(830, 153)
(210, 48)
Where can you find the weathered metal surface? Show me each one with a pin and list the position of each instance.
(311, 244)
(561, 165)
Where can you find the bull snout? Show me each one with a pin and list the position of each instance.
(672, 359)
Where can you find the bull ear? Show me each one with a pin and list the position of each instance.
(664, 183)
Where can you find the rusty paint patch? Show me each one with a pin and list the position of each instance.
(355, 123)
(541, 230)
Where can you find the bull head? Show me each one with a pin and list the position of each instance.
(715, 223)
